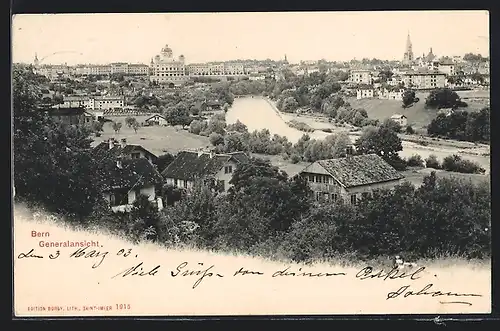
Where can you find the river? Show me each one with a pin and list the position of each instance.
(258, 113)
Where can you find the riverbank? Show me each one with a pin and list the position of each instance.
(412, 144)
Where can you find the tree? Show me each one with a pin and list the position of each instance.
(178, 115)
(52, 161)
(408, 98)
(117, 126)
(135, 126)
(289, 104)
(216, 139)
(444, 98)
(129, 121)
(392, 125)
(384, 142)
(409, 130)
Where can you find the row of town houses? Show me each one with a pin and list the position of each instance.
(132, 171)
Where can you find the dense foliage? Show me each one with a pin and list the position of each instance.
(462, 125)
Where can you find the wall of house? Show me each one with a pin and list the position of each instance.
(358, 190)
(187, 184)
(221, 175)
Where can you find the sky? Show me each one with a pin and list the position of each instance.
(204, 37)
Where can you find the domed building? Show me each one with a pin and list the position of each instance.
(165, 69)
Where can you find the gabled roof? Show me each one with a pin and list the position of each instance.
(118, 150)
(189, 165)
(155, 115)
(360, 170)
(134, 173)
(398, 116)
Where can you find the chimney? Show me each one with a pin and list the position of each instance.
(119, 162)
(212, 154)
(124, 142)
(111, 143)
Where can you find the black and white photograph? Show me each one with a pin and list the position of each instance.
(251, 163)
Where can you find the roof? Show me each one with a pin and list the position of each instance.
(189, 165)
(66, 111)
(134, 173)
(118, 150)
(360, 170)
(398, 116)
(155, 115)
(424, 71)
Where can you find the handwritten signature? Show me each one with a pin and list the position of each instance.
(202, 272)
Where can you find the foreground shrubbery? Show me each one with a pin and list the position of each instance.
(265, 212)
(454, 163)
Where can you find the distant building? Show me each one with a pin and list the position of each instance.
(391, 94)
(424, 79)
(364, 92)
(350, 178)
(70, 116)
(109, 102)
(165, 69)
(156, 119)
(400, 119)
(448, 67)
(408, 54)
(360, 76)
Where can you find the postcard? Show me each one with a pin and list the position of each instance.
(220, 164)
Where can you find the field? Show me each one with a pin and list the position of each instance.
(164, 290)
(157, 139)
(417, 115)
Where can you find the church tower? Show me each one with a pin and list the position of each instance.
(35, 61)
(408, 55)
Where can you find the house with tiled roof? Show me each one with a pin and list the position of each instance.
(129, 171)
(190, 167)
(128, 151)
(349, 178)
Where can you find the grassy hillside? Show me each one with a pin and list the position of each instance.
(157, 139)
(417, 115)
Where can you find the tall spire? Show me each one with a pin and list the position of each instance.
(408, 42)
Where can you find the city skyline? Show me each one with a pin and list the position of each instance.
(333, 36)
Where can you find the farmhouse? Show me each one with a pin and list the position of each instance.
(126, 179)
(130, 171)
(400, 119)
(349, 179)
(156, 119)
(71, 116)
(189, 167)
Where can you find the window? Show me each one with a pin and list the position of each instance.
(135, 155)
(175, 182)
(185, 183)
(326, 196)
(317, 196)
(228, 169)
(353, 199)
(325, 179)
(311, 178)
(318, 179)
(334, 196)
(119, 198)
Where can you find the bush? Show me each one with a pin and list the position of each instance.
(295, 158)
(456, 164)
(409, 130)
(415, 161)
(432, 162)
